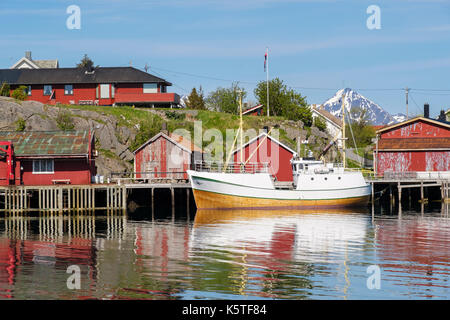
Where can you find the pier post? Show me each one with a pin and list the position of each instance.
(172, 194)
(421, 192)
(399, 187)
(124, 198)
(187, 202)
(153, 202)
(60, 199)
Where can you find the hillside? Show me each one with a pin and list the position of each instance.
(120, 130)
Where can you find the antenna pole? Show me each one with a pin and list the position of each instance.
(407, 91)
(343, 129)
(267, 80)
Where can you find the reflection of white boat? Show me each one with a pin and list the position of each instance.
(307, 235)
(315, 184)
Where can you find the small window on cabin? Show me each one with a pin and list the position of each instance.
(48, 90)
(43, 166)
(163, 89)
(29, 90)
(68, 89)
(150, 87)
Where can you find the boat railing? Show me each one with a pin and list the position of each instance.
(233, 167)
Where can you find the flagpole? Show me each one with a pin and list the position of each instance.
(267, 79)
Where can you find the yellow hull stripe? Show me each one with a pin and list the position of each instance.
(211, 200)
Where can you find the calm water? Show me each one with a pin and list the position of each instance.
(226, 255)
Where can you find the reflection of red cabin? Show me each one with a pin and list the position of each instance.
(423, 245)
(419, 144)
(45, 158)
(165, 156)
(277, 155)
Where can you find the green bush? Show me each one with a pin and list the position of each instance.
(173, 115)
(320, 124)
(20, 124)
(20, 93)
(64, 121)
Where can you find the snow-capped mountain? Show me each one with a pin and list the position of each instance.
(375, 114)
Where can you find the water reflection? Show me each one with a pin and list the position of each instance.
(225, 254)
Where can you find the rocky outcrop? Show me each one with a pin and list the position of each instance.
(112, 140)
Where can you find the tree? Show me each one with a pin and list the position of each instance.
(196, 99)
(226, 99)
(320, 124)
(5, 89)
(283, 101)
(86, 62)
(361, 127)
(20, 93)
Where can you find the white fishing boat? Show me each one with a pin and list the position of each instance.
(315, 183)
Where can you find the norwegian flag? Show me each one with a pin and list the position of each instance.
(265, 61)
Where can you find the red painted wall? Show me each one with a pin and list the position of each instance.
(279, 158)
(413, 161)
(77, 170)
(124, 92)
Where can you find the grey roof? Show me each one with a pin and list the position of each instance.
(44, 64)
(77, 75)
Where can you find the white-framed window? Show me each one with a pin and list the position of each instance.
(43, 166)
(104, 91)
(29, 90)
(47, 90)
(68, 90)
(150, 87)
(113, 91)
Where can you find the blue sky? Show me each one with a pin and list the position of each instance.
(316, 47)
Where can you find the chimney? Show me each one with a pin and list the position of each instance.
(164, 128)
(426, 110)
(28, 55)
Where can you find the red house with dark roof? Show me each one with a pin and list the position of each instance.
(265, 149)
(166, 156)
(45, 158)
(419, 144)
(97, 86)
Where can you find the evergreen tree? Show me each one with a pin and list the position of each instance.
(86, 62)
(196, 99)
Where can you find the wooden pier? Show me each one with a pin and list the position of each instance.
(64, 198)
(397, 186)
(61, 198)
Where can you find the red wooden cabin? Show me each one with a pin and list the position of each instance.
(99, 86)
(45, 158)
(419, 144)
(165, 156)
(275, 154)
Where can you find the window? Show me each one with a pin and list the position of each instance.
(68, 90)
(150, 87)
(48, 90)
(29, 90)
(104, 91)
(113, 91)
(43, 166)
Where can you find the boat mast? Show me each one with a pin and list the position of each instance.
(240, 126)
(343, 128)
